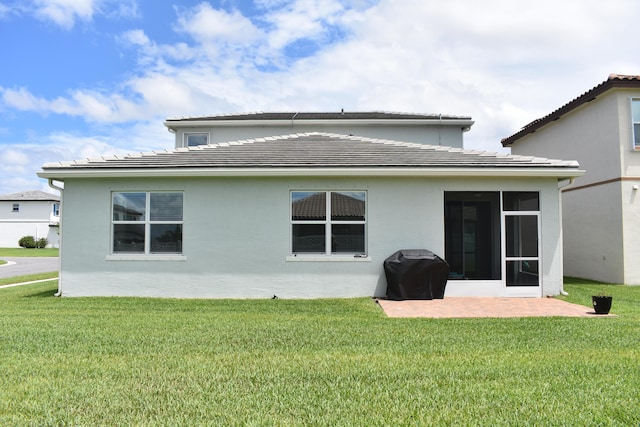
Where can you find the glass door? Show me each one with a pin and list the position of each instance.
(522, 257)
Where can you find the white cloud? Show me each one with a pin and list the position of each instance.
(64, 12)
(207, 25)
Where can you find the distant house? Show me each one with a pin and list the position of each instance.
(29, 213)
(310, 212)
(601, 210)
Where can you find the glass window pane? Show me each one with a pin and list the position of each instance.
(166, 207)
(636, 134)
(197, 139)
(347, 238)
(308, 206)
(521, 201)
(636, 110)
(309, 238)
(522, 273)
(166, 238)
(129, 206)
(348, 206)
(522, 235)
(128, 238)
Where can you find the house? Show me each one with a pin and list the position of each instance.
(601, 210)
(308, 214)
(29, 213)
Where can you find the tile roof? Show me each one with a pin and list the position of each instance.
(341, 115)
(29, 196)
(614, 81)
(307, 151)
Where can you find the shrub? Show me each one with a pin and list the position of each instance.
(27, 242)
(42, 243)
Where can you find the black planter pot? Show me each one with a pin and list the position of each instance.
(601, 304)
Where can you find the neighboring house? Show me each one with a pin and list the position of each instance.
(601, 210)
(308, 214)
(30, 213)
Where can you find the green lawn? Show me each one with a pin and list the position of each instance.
(22, 252)
(135, 361)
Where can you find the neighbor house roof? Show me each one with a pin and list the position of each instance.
(29, 196)
(614, 81)
(335, 118)
(308, 154)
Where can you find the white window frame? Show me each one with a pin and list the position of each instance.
(634, 122)
(147, 222)
(328, 223)
(185, 138)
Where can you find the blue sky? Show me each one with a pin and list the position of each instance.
(85, 78)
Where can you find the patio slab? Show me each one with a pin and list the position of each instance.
(469, 307)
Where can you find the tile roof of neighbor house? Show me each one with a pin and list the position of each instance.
(341, 115)
(614, 81)
(29, 196)
(293, 153)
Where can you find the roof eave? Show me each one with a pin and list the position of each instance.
(532, 171)
(459, 122)
(612, 83)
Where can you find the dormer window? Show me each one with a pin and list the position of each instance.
(635, 110)
(196, 138)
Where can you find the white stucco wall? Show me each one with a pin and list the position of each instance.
(33, 219)
(435, 135)
(237, 231)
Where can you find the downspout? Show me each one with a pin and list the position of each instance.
(61, 190)
(561, 189)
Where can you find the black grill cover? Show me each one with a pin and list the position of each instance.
(415, 274)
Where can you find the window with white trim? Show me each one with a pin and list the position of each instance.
(328, 222)
(15, 207)
(147, 222)
(196, 138)
(635, 111)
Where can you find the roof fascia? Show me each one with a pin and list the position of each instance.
(526, 172)
(176, 124)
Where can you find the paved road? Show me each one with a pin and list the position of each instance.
(19, 266)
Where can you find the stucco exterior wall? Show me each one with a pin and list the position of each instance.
(236, 237)
(435, 135)
(631, 230)
(593, 233)
(33, 219)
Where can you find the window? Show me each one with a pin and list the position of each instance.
(56, 209)
(635, 109)
(200, 138)
(328, 222)
(147, 222)
(15, 207)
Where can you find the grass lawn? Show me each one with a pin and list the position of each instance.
(22, 252)
(136, 361)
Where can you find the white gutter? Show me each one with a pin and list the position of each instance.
(57, 172)
(61, 190)
(561, 189)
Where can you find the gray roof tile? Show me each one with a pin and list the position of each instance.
(312, 150)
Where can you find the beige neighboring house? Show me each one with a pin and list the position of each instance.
(308, 205)
(601, 210)
(29, 213)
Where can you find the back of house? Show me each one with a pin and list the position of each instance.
(310, 208)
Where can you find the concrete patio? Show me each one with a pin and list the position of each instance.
(473, 307)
